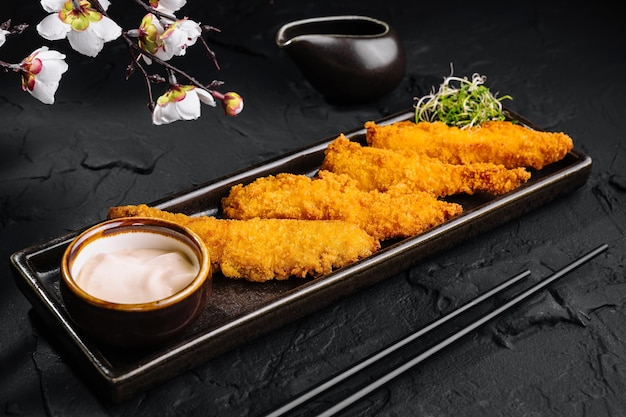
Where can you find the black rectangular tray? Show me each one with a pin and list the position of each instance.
(239, 311)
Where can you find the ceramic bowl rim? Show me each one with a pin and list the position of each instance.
(152, 225)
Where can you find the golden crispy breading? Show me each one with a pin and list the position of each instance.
(264, 249)
(376, 168)
(498, 142)
(329, 196)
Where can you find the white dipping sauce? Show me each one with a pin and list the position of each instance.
(136, 275)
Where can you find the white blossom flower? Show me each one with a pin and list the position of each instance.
(169, 41)
(180, 102)
(41, 72)
(177, 38)
(3, 36)
(149, 35)
(86, 28)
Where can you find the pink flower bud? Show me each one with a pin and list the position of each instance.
(232, 103)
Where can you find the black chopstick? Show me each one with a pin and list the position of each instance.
(359, 366)
(463, 332)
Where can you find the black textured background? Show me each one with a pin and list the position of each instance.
(563, 353)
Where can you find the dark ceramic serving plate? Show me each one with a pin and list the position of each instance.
(240, 311)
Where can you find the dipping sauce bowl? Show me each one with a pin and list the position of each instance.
(135, 282)
(349, 59)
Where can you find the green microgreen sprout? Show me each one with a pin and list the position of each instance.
(460, 102)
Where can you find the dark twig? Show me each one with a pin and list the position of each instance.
(209, 51)
(155, 12)
(136, 64)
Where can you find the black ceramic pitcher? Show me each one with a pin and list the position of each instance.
(346, 58)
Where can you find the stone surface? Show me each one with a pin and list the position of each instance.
(561, 353)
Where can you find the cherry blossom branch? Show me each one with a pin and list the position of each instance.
(133, 46)
(159, 38)
(171, 68)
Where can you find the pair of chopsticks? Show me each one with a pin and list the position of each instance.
(361, 393)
